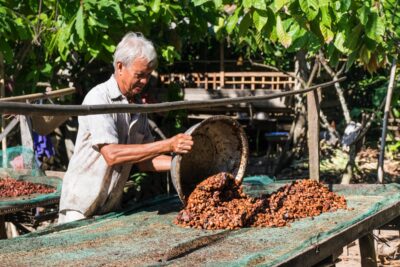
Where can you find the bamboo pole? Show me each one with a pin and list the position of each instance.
(2, 94)
(385, 121)
(37, 96)
(78, 110)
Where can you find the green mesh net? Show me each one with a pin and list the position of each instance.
(145, 235)
(19, 160)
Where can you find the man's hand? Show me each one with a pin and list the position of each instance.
(181, 143)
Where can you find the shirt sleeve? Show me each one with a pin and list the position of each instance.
(148, 136)
(102, 127)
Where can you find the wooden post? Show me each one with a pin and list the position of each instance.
(26, 132)
(367, 251)
(313, 134)
(221, 63)
(3, 231)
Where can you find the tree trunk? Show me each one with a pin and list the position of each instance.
(298, 129)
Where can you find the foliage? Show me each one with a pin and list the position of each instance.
(69, 41)
(367, 31)
(175, 118)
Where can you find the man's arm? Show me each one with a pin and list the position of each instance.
(158, 164)
(134, 153)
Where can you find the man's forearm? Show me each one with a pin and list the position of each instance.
(133, 153)
(158, 164)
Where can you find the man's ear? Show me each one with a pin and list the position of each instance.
(119, 67)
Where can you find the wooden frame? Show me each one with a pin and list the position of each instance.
(232, 80)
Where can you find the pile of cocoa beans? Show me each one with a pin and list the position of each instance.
(218, 202)
(13, 188)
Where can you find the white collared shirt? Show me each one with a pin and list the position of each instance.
(90, 186)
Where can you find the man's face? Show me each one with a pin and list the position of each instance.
(132, 78)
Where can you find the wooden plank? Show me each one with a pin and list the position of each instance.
(313, 134)
(324, 248)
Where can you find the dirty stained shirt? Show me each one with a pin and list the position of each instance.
(90, 186)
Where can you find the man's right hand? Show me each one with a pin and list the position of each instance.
(181, 143)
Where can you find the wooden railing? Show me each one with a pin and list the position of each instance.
(232, 80)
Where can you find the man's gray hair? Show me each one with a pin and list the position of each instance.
(133, 46)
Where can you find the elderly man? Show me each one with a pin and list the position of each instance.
(108, 144)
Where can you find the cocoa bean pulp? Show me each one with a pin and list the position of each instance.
(218, 202)
(13, 188)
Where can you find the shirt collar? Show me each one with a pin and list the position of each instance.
(113, 89)
(115, 93)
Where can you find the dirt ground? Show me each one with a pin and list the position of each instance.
(388, 250)
(333, 162)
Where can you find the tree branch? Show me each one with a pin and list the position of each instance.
(338, 88)
(277, 69)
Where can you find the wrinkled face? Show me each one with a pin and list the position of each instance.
(132, 78)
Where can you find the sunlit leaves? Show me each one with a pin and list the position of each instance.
(200, 2)
(284, 38)
(260, 19)
(280, 3)
(310, 8)
(155, 5)
(375, 28)
(233, 20)
(80, 24)
(169, 53)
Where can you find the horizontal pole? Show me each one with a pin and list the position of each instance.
(78, 110)
(37, 96)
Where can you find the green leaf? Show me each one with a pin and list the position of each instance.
(247, 3)
(284, 38)
(310, 7)
(375, 28)
(155, 5)
(47, 69)
(354, 38)
(217, 3)
(325, 17)
(79, 24)
(345, 5)
(260, 4)
(94, 52)
(363, 13)
(169, 54)
(244, 24)
(323, 3)
(351, 59)
(260, 19)
(340, 39)
(365, 54)
(108, 44)
(326, 33)
(279, 4)
(333, 55)
(233, 20)
(200, 2)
